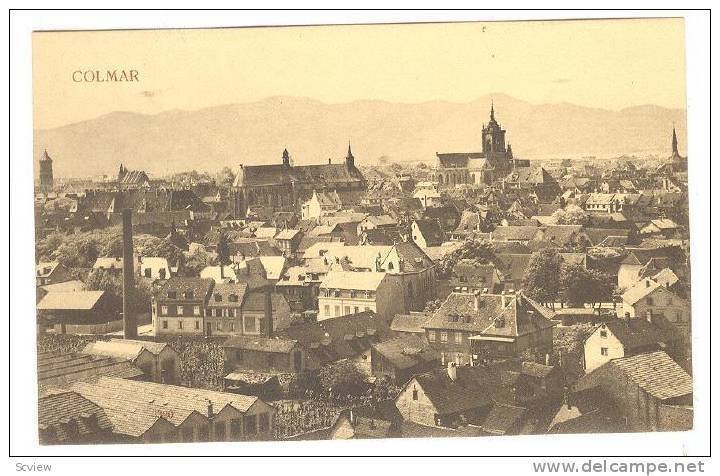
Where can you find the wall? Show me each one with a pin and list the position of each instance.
(420, 411)
(593, 344)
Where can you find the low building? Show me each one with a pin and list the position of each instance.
(72, 312)
(153, 267)
(148, 412)
(223, 315)
(265, 354)
(321, 204)
(67, 418)
(648, 298)
(426, 233)
(652, 392)
(51, 273)
(400, 358)
(158, 361)
(62, 370)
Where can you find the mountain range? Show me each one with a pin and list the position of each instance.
(380, 132)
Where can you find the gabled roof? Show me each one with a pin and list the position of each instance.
(261, 344)
(353, 280)
(44, 269)
(515, 233)
(412, 322)
(199, 287)
(638, 333)
(640, 290)
(279, 174)
(56, 409)
(467, 392)
(61, 369)
(656, 373)
(502, 418)
(77, 300)
(123, 349)
(407, 351)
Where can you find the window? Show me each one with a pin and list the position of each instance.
(218, 326)
(458, 337)
(165, 324)
(367, 309)
(218, 297)
(443, 336)
(235, 428)
(197, 325)
(188, 295)
(163, 310)
(233, 298)
(604, 351)
(251, 424)
(337, 311)
(327, 310)
(431, 336)
(603, 333)
(180, 310)
(347, 310)
(357, 309)
(148, 272)
(649, 301)
(232, 326)
(415, 394)
(180, 324)
(162, 273)
(172, 294)
(264, 422)
(196, 310)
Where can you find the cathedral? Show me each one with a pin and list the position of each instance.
(474, 168)
(284, 186)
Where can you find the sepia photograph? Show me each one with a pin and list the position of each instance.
(476, 230)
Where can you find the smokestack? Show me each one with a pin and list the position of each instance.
(129, 323)
(268, 311)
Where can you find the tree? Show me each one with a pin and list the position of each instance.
(542, 276)
(480, 251)
(342, 379)
(226, 177)
(223, 250)
(576, 284)
(102, 280)
(571, 215)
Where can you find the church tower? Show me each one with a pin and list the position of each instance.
(349, 159)
(493, 145)
(46, 173)
(675, 152)
(286, 158)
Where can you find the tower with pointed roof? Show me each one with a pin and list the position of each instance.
(349, 159)
(675, 152)
(493, 138)
(46, 172)
(286, 158)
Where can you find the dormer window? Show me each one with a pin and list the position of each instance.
(188, 295)
(218, 298)
(233, 298)
(172, 294)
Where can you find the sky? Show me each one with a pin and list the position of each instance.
(609, 64)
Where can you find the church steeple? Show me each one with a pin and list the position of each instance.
(286, 157)
(492, 111)
(349, 159)
(674, 143)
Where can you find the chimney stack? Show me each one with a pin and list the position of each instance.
(129, 323)
(210, 412)
(268, 311)
(648, 316)
(476, 300)
(452, 371)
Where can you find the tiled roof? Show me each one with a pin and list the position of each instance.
(467, 392)
(412, 322)
(279, 174)
(656, 373)
(133, 407)
(261, 344)
(44, 269)
(638, 333)
(458, 159)
(198, 286)
(502, 418)
(431, 231)
(515, 233)
(57, 409)
(362, 281)
(78, 300)
(60, 370)
(640, 290)
(407, 351)
(287, 234)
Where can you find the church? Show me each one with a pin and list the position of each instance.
(676, 163)
(475, 168)
(284, 186)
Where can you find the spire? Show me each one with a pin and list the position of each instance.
(286, 157)
(349, 154)
(349, 159)
(492, 111)
(674, 142)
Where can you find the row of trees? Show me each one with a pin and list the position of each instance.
(548, 279)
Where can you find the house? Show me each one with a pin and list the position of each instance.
(287, 240)
(472, 275)
(446, 397)
(157, 360)
(321, 204)
(401, 358)
(111, 264)
(619, 338)
(426, 233)
(447, 215)
(428, 197)
(345, 337)
(632, 265)
(265, 354)
(153, 267)
(74, 285)
(87, 311)
(652, 392)
(473, 326)
(648, 299)
(51, 273)
(301, 286)
(586, 411)
(519, 234)
(350, 292)
(148, 412)
(179, 306)
(68, 418)
(263, 313)
(223, 315)
(409, 324)
(376, 222)
(661, 227)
